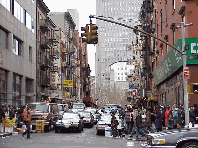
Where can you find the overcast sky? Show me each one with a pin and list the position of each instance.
(84, 8)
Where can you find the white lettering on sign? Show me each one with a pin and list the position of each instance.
(192, 47)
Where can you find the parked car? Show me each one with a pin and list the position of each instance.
(69, 120)
(183, 138)
(88, 118)
(44, 111)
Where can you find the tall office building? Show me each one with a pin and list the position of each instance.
(115, 41)
(75, 16)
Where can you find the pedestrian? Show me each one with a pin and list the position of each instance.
(139, 125)
(192, 116)
(2, 115)
(127, 116)
(27, 119)
(114, 124)
(131, 122)
(163, 116)
(166, 117)
(181, 117)
(158, 123)
(148, 119)
(196, 112)
(175, 117)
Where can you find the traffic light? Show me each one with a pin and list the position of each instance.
(93, 34)
(86, 34)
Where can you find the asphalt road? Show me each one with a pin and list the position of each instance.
(85, 139)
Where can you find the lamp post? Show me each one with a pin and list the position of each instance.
(185, 81)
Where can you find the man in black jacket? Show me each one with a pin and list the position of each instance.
(2, 115)
(139, 125)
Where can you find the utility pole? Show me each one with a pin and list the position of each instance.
(185, 81)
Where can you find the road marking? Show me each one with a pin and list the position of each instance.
(131, 144)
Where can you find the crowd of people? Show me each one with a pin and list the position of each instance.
(22, 115)
(142, 120)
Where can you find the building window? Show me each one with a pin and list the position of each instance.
(6, 4)
(30, 53)
(29, 89)
(3, 86)
(17, 46)
(16, 89)
(3, 39)
(118, 78)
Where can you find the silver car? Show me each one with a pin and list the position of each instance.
(69, 120)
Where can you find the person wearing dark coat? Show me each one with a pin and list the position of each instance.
(2, 115)
(192, 116)
(114, 124)
(139, 125)
(158, 123)
(196, 112)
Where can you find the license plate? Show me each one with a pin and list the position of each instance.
(66, 126)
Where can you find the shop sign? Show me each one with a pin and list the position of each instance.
(192, 53)
(67, 83)
(172, 62)
(64, 50)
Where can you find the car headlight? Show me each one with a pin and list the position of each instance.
(158, 141)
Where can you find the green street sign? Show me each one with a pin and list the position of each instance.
(192, 53)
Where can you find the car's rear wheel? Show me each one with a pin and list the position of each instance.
(190, 145)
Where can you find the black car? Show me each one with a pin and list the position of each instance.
(182, 138)
(68, 121)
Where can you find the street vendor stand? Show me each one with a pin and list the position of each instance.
(8, 124)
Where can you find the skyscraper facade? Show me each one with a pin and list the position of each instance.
(115, 41)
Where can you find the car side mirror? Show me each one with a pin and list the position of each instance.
(81, 117)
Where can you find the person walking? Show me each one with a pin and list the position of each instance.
(148, 119)
(27, 120)
(114, 124)
(158, 123)
(2, 115)
(139, 125)
(166, 117)
(175, 117)
(192, 116)
(127, 116)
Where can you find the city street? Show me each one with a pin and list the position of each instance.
(87, 138)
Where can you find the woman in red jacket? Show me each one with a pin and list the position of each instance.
(166, 116)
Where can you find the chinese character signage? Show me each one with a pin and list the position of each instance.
(172, 62)
(67, 83)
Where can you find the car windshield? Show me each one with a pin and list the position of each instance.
(60, 107)
(86, 115)
(69, 116)
(39, 107)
